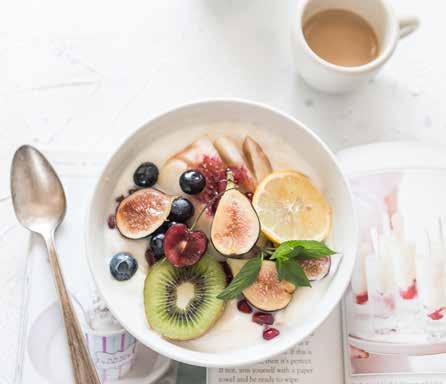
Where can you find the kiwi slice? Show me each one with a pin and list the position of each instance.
(181, 303)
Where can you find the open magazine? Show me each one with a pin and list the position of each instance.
(391, 324)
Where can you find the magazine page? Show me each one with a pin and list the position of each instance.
(317, 359)
(395, 307)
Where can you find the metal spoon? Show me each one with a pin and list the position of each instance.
(39, 203)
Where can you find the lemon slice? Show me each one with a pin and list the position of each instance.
(290, 207)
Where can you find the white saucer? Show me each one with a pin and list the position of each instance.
(47, 349)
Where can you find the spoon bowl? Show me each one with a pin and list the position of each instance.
(37, 193)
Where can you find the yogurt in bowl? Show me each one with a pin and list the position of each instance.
(232, 338)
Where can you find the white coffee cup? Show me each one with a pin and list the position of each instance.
(331, 78)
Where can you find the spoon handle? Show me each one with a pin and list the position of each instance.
(83, 367)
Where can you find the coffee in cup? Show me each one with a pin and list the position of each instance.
(341, 37)
(340, 45)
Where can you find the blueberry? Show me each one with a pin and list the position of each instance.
(192, 182)
(168, 224)
(181, 211)
(123, 266)
(146, 175)
(161, 229)
(164, 227)
(157, 245)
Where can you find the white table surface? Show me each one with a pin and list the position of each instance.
(81, 75)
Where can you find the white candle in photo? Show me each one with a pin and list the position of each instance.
(403, 259)
(359, 277)
(431, 277)
(380, 282)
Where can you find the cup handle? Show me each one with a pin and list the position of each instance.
(408, 25)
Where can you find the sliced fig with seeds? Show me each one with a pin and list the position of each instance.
(316, 269)
(267, 293)
(236, 226)
(142, 213)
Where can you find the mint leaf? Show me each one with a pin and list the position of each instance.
(302, 250)
(244, 279)
(285, 252)
(292, 272)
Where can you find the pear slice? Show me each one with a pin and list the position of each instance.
(233, 157)
(267, 293)
(257, 160)
(236, 226)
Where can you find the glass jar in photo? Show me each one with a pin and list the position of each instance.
(360, 297)
(431, 281)
(403, 254)
(381, 287)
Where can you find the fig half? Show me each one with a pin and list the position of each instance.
(316, 269)
(143, 212)
(236, 226)
(267, 293)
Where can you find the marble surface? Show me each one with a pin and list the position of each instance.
(83, 74)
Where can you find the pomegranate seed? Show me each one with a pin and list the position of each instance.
(150, 257)
(119, 198)
(362, 298)
(249, 195)
(111, 221)
(244, 307)
(263, 318)
(270, 333)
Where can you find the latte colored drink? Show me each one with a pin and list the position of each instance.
(341, 37)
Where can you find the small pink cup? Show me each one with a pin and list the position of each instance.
(113, 352)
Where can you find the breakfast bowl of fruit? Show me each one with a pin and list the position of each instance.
(221, 233)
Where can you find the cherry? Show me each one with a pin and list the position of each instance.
(184, 247)
(263, 318)
(270, 333)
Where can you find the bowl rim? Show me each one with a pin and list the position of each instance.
(227, 359)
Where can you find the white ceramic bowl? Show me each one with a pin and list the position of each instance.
(126, 304)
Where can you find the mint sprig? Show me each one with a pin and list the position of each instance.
(290, 270)
(244, 279)
(286, 256)
(301, 249)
